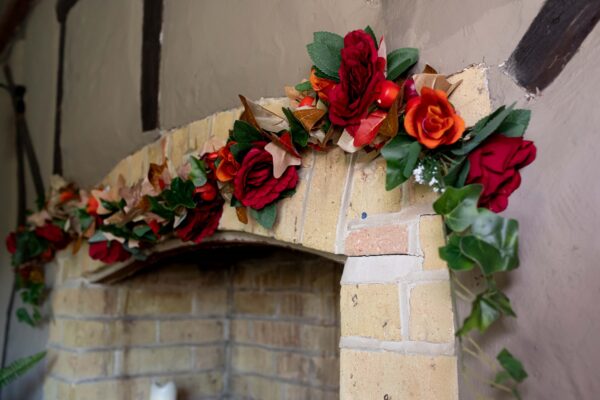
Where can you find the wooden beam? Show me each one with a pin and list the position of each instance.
(152, 26)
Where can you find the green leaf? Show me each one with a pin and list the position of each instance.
(180, 194)
(23, 316)
(401, 155)
(400, 60)
(28, 246)
(483, 314)
(265, 216)
(239, 150)
(243, 132)
(515, 124)
(299, 134)
(198, 172)
(502, 377)
(457, 174)
(494, 242)
(19, 367)
(111, 206)
(303, 86)
(85, 219)
(483, 129)
(157, 208)
(500, 301)
(512, 365)
(325, 57)
(459, 206)
(369, 30)
(454, 257)
(323, 75)
(329, 39)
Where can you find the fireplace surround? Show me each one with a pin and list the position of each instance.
(396, 321)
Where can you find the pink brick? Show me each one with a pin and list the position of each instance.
(389, 239)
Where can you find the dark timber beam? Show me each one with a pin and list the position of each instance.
(152, 26)
(551, 41)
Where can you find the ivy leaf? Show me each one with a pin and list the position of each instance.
(303, 87)
(493, 243)
(371, 33)
(198, 172)
(457, 174)
(299, 134)
(401, 155)
(325, 57)
(85, 219)
(243, 132)
(483, 129)
(28, 246)
(454, 257)
(459, 206)
(500, 301)
(483, 314)
(23, 316)
(265, 216)
(511, 365)
(157, 208)
(515, 124)
(400, 60)
(180, 194)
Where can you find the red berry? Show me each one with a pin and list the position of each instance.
(307, 101)
(388, 93)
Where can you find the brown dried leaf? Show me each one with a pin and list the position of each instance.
(309, 117)
(242, 214)
(77, 245)
(261, 118)
(389, 127)
(434, 81)
(156, 173)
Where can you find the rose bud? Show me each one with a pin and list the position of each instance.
(388, 93)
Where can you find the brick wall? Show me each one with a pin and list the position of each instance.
(397, 322)
(265, 327)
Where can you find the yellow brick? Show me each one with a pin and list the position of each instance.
(211, 302)
(88, 301)
(138, 167)
(74, 366)
(253, 359)
(77, 333)
(210, 357)
(122, 168)
(222, 123)
(432, 237)
(198, 134)
(254, 303)
(324, 338)
(325, 199)
(293, 366)
(241, 331)
(371, 310)
(132, 332)
(420, 196)
(178, 146)
(111, 389)
(156, 151)
(191, 331)
(195, 385)
(379, 375)
(368, 191)
(278, 334)
(308, 305)
(151, 302)
(164, 359)
(472, 97)
(326, 370)
(431, 316)
(55, 334)
(257, 388)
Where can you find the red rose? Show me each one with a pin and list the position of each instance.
(495, 164)
(201, 222)
(108, 252)
(11, 243)
(360, 73)
(53, 234)
(254, 184)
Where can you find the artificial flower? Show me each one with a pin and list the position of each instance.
(228, 166)
(431, 119)
(255, 186)
(321, 85)
(495, 165)
(108, 251)
(53, 234)
(201, 222)
(11, 243)
(360, 72)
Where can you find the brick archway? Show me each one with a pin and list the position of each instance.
(397, 321)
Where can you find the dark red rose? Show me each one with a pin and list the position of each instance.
(11, 243)
(201, 222)
(496, 164)
(53, 234)
(108, 252)
(360, 72)
(254, 184)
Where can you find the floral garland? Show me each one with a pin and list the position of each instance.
(358, 97)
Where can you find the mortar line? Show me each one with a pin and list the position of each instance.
(341, 228)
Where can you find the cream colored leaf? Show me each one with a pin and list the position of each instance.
(281, 159)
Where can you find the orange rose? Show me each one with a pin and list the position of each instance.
(228, 166)
(432, 120)
(321, 86)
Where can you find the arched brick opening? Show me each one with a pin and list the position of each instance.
(397, 322)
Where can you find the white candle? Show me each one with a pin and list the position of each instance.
(163, 392)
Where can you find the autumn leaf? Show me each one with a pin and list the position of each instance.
(309, 117)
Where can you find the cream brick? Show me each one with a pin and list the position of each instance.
(150, 302)
(324, 338)
(80, 333)
(211, 302)
(431, 316)
(420, 196)
(209, 357)
(255, 387)
(75, 366)
(278, 334)
(156, 151)
(253, 359)
(132, 332)
(378, 240)
(191, 331)
(325, 199)
(178, 145)
(199, 132)
(122, 168)
(371, 310)
(196, 385)
(368, 180)
(308, 305)
(222, 123)
(164, 359)
(432, 237)
(88, 301)
(379, 375)
(256, 303)
(293, 366)
(472, 97)
(138, 166)
(110, 389)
